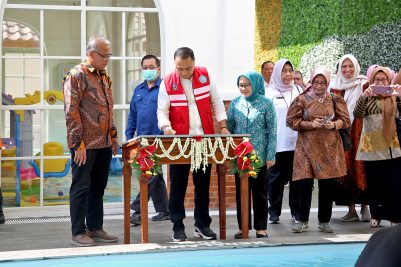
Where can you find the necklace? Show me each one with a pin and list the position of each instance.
(321, 98)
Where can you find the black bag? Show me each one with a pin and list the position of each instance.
(345, 133)
(398, 126)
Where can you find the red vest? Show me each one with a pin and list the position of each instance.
(179, 115)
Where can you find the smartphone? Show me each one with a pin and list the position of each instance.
(327, 119)
(382, 89)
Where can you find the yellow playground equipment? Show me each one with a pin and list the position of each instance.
(52, 167)
(50, 96)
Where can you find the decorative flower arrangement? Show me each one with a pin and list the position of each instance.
(247, 160)
(145, 162)
(200, 150)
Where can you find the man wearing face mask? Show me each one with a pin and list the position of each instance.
(142, 120)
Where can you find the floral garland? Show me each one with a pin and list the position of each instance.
(199, 149)
(145, 162)
(247, 161)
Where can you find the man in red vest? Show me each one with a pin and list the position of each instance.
(187, 103)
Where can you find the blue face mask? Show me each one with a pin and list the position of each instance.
(149, 75)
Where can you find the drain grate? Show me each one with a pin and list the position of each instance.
(55, 219)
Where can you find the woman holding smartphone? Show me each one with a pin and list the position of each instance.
(319, 153)
(379, 147)
(349, 83)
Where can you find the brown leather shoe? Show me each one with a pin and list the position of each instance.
(102, 236)
(82, 241)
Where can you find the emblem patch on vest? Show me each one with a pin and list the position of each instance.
(174, 87)
(202, 79)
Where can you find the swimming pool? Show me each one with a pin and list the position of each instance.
(327, 255)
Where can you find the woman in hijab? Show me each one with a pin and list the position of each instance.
(319, 154)
(350, 84)
(379, 148)
(252, 113)
(282, 91)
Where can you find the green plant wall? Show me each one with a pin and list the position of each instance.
(337, 27)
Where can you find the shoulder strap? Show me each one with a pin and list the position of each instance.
(296, 86)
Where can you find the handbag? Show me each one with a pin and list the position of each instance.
(345, 133)
(398, 126)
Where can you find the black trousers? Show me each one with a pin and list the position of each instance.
(257, 187)
(278, 175)
(157, 191)
(87, 189)
(383, 178)
(325, 203)
(179, 174)
(1, 200)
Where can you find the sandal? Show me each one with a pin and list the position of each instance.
(238, 235)
(374, 223)
(264, 235)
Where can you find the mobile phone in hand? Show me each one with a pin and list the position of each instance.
(382, 89)
(327, 119)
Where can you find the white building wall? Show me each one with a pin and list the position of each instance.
(221, 33)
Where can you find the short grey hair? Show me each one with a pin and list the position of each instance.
(94, 42)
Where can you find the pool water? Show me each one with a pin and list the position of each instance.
(331, 255)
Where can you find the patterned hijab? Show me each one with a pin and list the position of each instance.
(275, 81)
(258, 87)
(387, 105)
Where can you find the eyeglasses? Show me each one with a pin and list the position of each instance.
(244, 85)
(316, 84)
(108, 56)
(382, 80)
(149, 67)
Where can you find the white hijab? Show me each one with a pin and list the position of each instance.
(352, 86)
(275, 81)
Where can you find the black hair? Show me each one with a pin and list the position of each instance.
(263, 64)
(184, 53)
(150, 57)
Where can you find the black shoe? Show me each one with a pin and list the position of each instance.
(205, 233)
(261, 235)
(162, 216)
(135, 219)
(2, 218)
(274, 220)
(238, 235)
(179, 235)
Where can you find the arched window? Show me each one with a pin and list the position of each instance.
(42, 40)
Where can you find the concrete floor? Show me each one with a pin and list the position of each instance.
(42, 228)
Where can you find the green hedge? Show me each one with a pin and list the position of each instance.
(309, 21)
(306, 23)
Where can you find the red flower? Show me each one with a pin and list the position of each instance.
(243, 164)
(147, 151)
(197, 138)
(145, 164)
(243, 149)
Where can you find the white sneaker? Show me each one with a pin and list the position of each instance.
(300, 227)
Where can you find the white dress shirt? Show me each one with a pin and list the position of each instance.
(286, 138)
(195, 123)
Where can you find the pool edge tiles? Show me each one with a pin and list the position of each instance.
(22, 255)
(28, 255)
